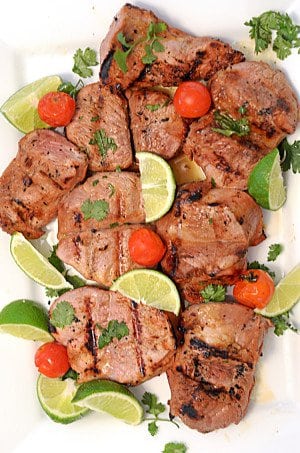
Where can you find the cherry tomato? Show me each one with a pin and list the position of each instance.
(56, 108)
(192, 99)
(145, 247)
(255, 288)
(51, 359)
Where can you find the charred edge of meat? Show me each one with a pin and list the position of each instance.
(178, 201)
(137, 329)
(91, 343)
(174, 260)
(190, 411)
(105, 67)
(208, 350)
(198, 60)
(194, 196)
(143, 73)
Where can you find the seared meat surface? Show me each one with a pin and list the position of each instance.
(182, 57)
(271, 104)
(213, 372)
(103, 113)
(99, 255)
(117, 196)
(207, 234)
(145, 352)
(155, 125)
(46, 167)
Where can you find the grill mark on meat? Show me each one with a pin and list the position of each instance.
(54, 183)
(27, 181)
(77, 217)
(194, 196)
(174, 260)
(137, 332)
(105, 66)
(198, 60)
(20, 203)
(208, 350)
(189, 410)
(283, 105)
(91, 343)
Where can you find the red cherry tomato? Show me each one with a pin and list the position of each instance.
(145, 247)
(255, 288)
(51, 359)
(192, 99)
(56, 108)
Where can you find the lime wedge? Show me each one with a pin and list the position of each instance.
(265, 183)
(158, 185)
(55, 397)
(34, 264)
(111, 398)
(21, 108)
(25, 319)
(150, 287)
(286, 295)
(186, 170)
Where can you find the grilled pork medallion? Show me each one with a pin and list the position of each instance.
(103, 200)
(99, 255)
(207, 234)
(213, 372)
(46, 167)
(144, 352)
(179, 56)
(100, 126)
(155, 125)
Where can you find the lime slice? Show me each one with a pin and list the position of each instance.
(286, 295)
(34, 264)
(55, 397)
(111, 398)
(265, 182)
(150, 287)
(21, 108)
(25, 319)
(158, 185)
(186, 170)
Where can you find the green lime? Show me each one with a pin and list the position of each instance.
(150, 287)
(286, 295)
(21, 108)
(55, 397)
(110, 397)
(25, 319)
(265, 182)
(34, 264)
(158, 185)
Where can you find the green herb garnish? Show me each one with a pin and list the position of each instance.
(290, 155)
(82, 61)
(286, 33)
(95, 118)
(257, 265)
(70, 374)
(55, 261)
(103, 142)
(115, 329)
(228, 126)
(63, 314)
(154, 408)
(95, 182)
(112, 189)
(97, 210)
(274, 251)
(175, 447)
(69, 88)
(213, 293)
(153, 107)
(283, 323)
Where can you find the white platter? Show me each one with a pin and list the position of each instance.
(37, 39)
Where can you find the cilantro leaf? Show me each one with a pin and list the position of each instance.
(112, 189)
(69, 88)
(153, 428)
(70, 374)
(82, 61)
(103, 142)
(274, 251)
(76, 281)
(120, 57)
(174, 447)
(63, 314)
(282, 323)
(154, 407)
(215, 293)
(121, 38)
(153, 107)
(257, 265)
(95, 182)
(97, 210)
(149, 56)
(50, 292)
(115, 329)
(55, 261)
(286, 33)
(228, 126)
(290, 155)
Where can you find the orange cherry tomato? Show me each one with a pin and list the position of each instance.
(146, 247)
(52, 360)
(254, 288)
(56, 108)
(192, 99)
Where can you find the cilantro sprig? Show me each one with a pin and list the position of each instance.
(274, 251)
(263, 267)
(152, 44)
(154, 408)
(115, 329)
(213, 293)
(69, 88)
(283, 323)
(285, 31)
(103, 142)
(82, 61)
(290, 155)
(228, 126)
(175, 447)
(97, 210)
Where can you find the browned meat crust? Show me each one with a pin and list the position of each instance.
(141, 355)
(46, 167)
(159, 131)
(183, 57)
(122, 192)
(99, 255)
(100, 109)
(213, 373)
(207, 234)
